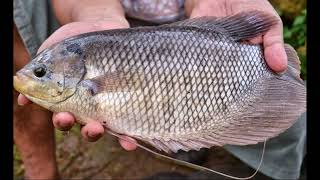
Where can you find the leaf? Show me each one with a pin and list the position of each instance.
(287, 33)
(301, 41)
(299, 20)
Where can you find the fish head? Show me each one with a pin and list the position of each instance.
(52, 76)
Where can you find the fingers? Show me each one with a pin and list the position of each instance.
(23, 100)
(276, 57)
(127, 145)
(272, 41)
(63, 121)
(256, 40)
(92, 131)
(274, 52)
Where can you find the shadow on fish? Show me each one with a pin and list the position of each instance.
(187, 85)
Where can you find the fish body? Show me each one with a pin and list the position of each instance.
(185, 85)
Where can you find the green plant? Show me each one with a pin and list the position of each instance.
(18, 165)
(295, 35)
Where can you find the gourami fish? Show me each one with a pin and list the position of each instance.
(185, 85)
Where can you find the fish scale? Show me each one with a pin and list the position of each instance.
(176, 94)
(186, 85)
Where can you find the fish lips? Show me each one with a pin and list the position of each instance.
(24, 85)
(19, 83)
(29, 87)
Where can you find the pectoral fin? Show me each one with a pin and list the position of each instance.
(111, 82)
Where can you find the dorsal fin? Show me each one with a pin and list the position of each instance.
(244, 25)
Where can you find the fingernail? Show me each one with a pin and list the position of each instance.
(93, 135)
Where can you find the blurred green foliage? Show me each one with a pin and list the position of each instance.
(18, 168)
(295, 34)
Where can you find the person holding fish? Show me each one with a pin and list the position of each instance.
(33, 131)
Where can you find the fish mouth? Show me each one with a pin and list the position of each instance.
(19, 83)
(36, 91)
(25, 85)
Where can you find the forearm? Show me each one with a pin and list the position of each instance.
(34, 138)
(81, 16)
(88, 10)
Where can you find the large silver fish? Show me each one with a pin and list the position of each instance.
(186, 85)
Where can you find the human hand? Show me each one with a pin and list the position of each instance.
(272, 41)
(64, 121)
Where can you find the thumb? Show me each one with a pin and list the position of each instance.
(274, 51)
(23, 100)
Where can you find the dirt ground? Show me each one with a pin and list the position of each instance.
(105, 159)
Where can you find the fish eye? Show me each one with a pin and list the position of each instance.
(39, 71)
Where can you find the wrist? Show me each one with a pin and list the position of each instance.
(81, 12)
(111, 11)
(106, 23)
(90, 11)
